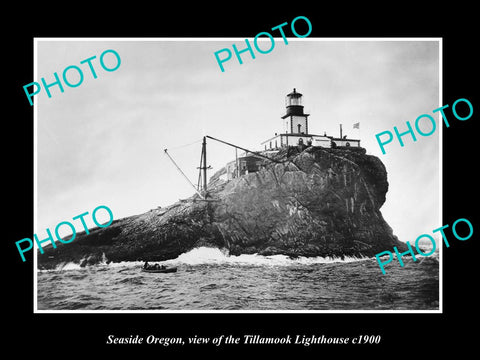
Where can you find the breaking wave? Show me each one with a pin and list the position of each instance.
(208, 255)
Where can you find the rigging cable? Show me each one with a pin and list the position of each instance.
(185, 176)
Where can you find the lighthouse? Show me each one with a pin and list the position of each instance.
(295, 127)
(295, 121)
(295, 134)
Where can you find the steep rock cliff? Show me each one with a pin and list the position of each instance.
(312, 202)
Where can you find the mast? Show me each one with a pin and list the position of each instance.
(204, 168)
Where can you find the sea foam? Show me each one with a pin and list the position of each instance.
(209, 255)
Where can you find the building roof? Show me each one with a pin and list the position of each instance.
(294, 92)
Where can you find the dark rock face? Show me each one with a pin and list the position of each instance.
(316, 202)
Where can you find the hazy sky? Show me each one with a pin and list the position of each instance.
(102, 142)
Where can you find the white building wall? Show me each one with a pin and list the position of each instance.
(299, 120)
(352, 143)
(321, 141)
(292, 140)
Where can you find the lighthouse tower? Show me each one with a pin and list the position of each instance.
(295, 127)
(295, 121)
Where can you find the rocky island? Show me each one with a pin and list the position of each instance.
(311, 201)
(303, 195)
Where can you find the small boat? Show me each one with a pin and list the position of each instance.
(166, 269)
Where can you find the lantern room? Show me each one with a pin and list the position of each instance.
(293, 102)
(295, 121)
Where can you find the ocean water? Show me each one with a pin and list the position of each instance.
(209, 279)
